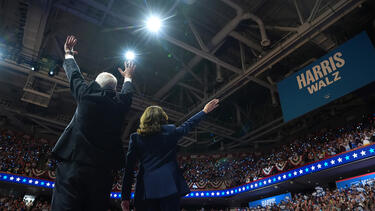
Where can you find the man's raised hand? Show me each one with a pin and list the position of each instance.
(129, 69)
(70, 42)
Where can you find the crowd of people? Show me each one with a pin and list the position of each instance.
(358, 197)
(24, 155)
(208, 172)
(18, 203)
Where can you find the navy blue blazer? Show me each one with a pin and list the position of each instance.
(158, 172)
(93, 136)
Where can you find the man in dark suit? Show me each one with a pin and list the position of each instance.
(90, 147)
(160, 183)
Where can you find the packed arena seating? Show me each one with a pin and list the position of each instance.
(24, 155)
(18, 203)
(228, 170)
(21, 154)
(360, 196)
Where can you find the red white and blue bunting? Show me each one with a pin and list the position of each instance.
(267, 170)
(295, 160)
(331, 162)
(280, 166)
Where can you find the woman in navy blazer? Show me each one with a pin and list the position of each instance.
(160, 183)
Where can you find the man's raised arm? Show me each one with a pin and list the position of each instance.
(76, 81)
(127, 88)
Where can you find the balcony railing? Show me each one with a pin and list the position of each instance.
(327, 163)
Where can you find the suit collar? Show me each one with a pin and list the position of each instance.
(95, 85)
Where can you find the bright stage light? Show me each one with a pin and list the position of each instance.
(129, 56)
(153, 24)
(53, 71)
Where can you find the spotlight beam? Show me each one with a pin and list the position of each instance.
(129, 55)
(153, 24)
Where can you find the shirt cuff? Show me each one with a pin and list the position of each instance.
(127, 79)
(68, 56)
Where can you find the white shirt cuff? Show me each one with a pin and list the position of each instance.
(68, 56)
(127, 79)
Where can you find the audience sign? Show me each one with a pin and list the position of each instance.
(362, 179)
(343, 70)
(271, 200)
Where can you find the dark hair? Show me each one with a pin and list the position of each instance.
(151, 120)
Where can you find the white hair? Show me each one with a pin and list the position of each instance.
(106, 80)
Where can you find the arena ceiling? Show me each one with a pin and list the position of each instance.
(235, 50)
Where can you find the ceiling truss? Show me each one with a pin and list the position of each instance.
(309, 30)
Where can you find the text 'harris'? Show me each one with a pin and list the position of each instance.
(321, 75)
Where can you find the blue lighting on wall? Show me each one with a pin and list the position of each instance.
(333, 161)
(26, 180)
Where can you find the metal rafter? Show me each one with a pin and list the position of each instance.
(277, 28)
(219, 37)
(298, 12)
(37, 16)
(314, 10)
(196, 95)
(109, 7)
(216, 61)
(305, 33)
(104, 8)
(243, 58)
(190, 87)
(197, 36)
(45, 127)
(176, 78)
(251, 44)
(203, 54)
(36, 117)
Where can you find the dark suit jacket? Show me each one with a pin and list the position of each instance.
(158, 172)
(93, 136)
